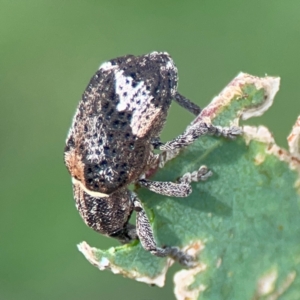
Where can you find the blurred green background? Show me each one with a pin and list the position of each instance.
(48, 52)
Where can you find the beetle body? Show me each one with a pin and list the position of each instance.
(122, 109)
(109, 145)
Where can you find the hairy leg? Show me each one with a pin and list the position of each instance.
(195, 131)
(182, 188)
(145, 234)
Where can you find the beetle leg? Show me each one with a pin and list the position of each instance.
(198, 129)
(167, 188)
(145, 234)
(181, 188)
(187, 104)
(200, 175)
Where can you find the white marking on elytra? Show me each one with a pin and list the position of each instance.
(137, 98)
(126, 92)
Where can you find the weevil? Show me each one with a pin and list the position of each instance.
(110, 145)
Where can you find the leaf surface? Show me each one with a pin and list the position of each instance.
(243, 222)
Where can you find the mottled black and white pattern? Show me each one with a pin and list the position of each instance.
(115, 128)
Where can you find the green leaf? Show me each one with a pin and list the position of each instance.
(243, 222)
